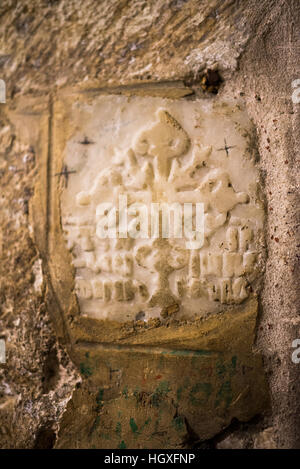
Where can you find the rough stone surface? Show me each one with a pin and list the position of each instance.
(45, 45)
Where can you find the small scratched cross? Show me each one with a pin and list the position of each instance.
(86, 141)
(65, 173)
(226, 147)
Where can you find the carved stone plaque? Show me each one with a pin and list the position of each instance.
(131, 167)
(148, 216)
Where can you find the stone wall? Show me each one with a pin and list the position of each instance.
(72, 382)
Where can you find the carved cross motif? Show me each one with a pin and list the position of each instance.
(226, 147)
(65, 172)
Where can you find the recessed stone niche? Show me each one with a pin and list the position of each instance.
(160, 151)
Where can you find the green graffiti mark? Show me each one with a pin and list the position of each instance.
(87, 355)
(180, 390)
(85, 369)
(222, 368)
(136, 392)
(224, 395)
(204, 389)
(133, 425)
(160, 392)
(179, 423)
(125, 392)
(135, 428)
(163, 388)
(179, 393)
(122, 445)
(233, 365)
(118, 428)
(145, 424)
(99, 399)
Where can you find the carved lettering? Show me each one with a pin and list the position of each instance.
(123, 209)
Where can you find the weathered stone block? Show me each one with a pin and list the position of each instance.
(163, 332)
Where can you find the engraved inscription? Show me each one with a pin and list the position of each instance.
(150, 157)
